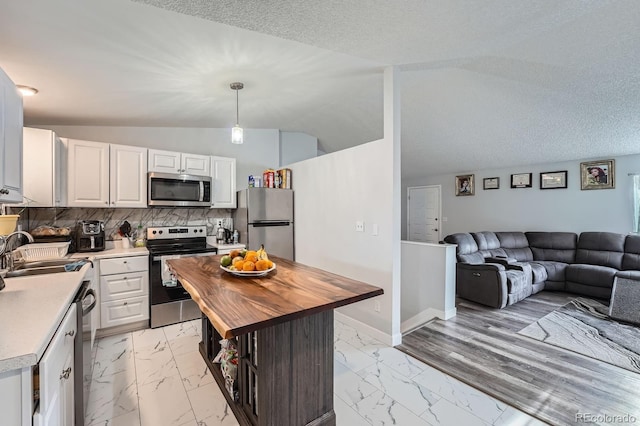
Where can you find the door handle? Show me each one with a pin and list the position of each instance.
(65, 373)
(436, 229)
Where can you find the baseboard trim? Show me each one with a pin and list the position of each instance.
(424, 317)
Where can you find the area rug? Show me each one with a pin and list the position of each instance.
(583, 326)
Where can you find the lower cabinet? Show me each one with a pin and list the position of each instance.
(124, 290)
(56, 406)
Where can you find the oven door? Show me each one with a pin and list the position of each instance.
(170, 302)
(166, 189)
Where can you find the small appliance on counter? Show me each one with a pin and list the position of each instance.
(90, 236)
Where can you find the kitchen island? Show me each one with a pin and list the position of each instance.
(283, 326)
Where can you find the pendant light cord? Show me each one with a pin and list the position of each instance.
(237, 110)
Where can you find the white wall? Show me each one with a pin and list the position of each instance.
(533, 209)
(297, 146)
(428, 283)
(334, 191)
(260, 150)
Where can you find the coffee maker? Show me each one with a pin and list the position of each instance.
(90, 235)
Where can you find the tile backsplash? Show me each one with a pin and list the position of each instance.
(33, 217)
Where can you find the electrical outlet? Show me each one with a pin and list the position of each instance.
(359, 226)
(376, 305)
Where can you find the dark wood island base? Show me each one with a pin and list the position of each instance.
(293, 368)
(283, 326)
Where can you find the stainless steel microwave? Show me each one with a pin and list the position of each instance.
(171, 190)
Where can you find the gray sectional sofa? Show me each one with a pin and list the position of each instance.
(501, 268)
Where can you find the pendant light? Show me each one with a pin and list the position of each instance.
(236, 132)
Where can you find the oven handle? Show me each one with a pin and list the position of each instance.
(89, 308)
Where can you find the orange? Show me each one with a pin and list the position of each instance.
(262, 265)
(248, 266)
(239, 265)
(251, 256)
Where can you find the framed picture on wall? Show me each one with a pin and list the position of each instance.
(521, 180)
(464, 185)
(491, 183)
(553, 180)
(597, 174)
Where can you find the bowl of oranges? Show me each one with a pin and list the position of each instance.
(247, 263)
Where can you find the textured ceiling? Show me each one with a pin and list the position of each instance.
(484, 83)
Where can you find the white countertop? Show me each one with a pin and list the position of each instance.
(31, 310)
(211, 240)
(114, 252)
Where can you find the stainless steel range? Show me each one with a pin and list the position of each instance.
(170, 302)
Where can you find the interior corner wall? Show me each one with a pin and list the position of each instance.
(330, 196)
(259, 151)
(534, 209)
(297, 146)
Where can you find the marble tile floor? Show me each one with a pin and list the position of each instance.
(156, 377)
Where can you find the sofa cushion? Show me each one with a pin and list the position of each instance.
(539, 273)
(553, 246)
(488, 244)
(515, 245)
(464, 240)
(555, 270)
(600, 248)
(631, 257)
(590, 275)
(476, 257)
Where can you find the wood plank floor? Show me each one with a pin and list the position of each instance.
(481, 347)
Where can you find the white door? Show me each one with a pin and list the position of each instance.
(88, 178)
(194, 164)
(223, 176)
(128, 176)
(164, 161)
(423, 214)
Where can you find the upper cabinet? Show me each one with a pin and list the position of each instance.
(10, 141)
(178, 162)
(104, 175)
(223, 175)
(44, 173)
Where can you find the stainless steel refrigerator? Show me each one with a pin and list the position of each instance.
(265, 216)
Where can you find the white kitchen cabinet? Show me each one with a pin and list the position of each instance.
(43, 169)
(56, 376)
(124, 290)
(178, 162)
(88, 173)
(106, 175)
(223, 176)
(10, 141)
(128, 176)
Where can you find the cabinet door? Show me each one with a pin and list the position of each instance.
(128, 176)
(88, 177)
(38, 167)
(12, 144)
(194, 164)
(223, 175)
(164, 161)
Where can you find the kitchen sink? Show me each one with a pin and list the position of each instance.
(35, 271)
(40, 267)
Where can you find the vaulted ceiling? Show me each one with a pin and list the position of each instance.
(484, 83)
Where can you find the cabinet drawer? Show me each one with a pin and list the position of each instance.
(122, 286)
(120, 265)
(125, 311)
(52, 363)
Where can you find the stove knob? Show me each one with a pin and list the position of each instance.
(155, 232)
(160, 232)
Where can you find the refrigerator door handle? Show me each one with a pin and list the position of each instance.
(274, 223)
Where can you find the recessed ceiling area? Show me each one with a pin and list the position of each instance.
(483, 85)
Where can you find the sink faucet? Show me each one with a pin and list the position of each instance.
(6, 248)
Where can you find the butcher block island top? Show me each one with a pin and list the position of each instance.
(238, 305)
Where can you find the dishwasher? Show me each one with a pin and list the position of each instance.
(84, 346)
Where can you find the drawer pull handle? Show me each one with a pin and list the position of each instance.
(476, 274)
(125, 278)
(65, 373)
(124, 261)
(70, 333)
(124, 303)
